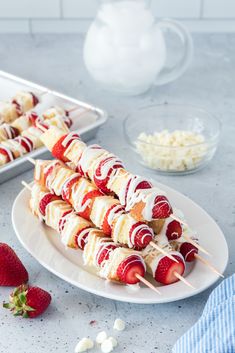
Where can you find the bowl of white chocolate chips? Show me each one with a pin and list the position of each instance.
(171, 138)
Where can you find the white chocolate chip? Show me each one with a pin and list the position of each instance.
(119, 325)
(107, 346)
(113, 340)
(101, 337)
(157, 152)
(83, 345)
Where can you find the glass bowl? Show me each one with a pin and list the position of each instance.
(187, 151)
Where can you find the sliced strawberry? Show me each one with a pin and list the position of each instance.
(104, 253)
(67, 188)
(106, 226)
(166, 268)
(25, 142)
(102, 183)
(81, 242)
(45, 201)
(188, 251)
(58, 149)
(62, 220)
(128, 269)
(35, 99)
(33, 117)
(14, 132)
(162, 208)
(50, 170)
(17, 107)
(6, 154)
(89, 196)
(174, 230)
(144, 185)
(141, 237)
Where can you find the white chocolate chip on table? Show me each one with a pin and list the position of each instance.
(119, 325)
(83, 345)
(101, 337)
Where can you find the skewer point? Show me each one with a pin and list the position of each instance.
(209, 265)
(182, 279)
(31, 160)
(27, 186)
(147, 283)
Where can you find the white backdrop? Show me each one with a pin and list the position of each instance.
(32, 16)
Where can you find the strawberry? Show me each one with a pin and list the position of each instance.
(104, 253)
(62, 220)
(89, 196)
(13, 132)
(28, 302)
(6, 154)
(35, 99)
(144, 185)
(174, 230)
(188, 251)
(33, 116)
(80, 243)
(25, 142)
(17, 107)
(142, 236)
(67, 188)
(165, 270)
(162, 208)
(58, 149)
(106, 226)
(46, 199)
(12, 271)
(113, 164)
(128, 269)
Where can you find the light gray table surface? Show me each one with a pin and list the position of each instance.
(56, 61)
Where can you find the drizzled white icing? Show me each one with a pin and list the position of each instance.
(89, 156)
(69, 138)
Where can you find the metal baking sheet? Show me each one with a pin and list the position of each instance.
(86, 118)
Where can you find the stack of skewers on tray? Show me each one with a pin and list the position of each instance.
(21, 127)
(124, 225)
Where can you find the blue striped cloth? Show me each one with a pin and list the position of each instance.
(214, 332)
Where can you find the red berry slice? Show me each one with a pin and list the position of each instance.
(89, 196)
(7, 154)
(102, 183)
(174, 230)
(104, 253)
(166, 269)
(80, 242)
(45, 201)
(35, 99)
(106, 226)
(140, 235)
(144, 185)
(17, 107)
(188, 251)
(67, 188)
(25, 142)
(128, 269)
(162, 208)
(14, 132)
(33, 117)
(62, 220)
(58, 149)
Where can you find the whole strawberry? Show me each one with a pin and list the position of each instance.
(12, 271)
(28, 302)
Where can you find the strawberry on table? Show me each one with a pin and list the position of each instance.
(28, 302)
(12, 271)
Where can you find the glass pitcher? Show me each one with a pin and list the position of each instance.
(125, 47)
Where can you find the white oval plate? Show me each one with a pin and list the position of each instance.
(43, 243)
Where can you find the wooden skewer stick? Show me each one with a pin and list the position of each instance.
(181, 278)
(209, 265)
(199, 247)
(147, 283)
(154, 245)
(27, 186)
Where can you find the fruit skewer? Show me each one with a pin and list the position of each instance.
(103, 210)
(69, 147)
(17, 106)
(99, 250)
(136, 194)
(78, 233)
(30, 138)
